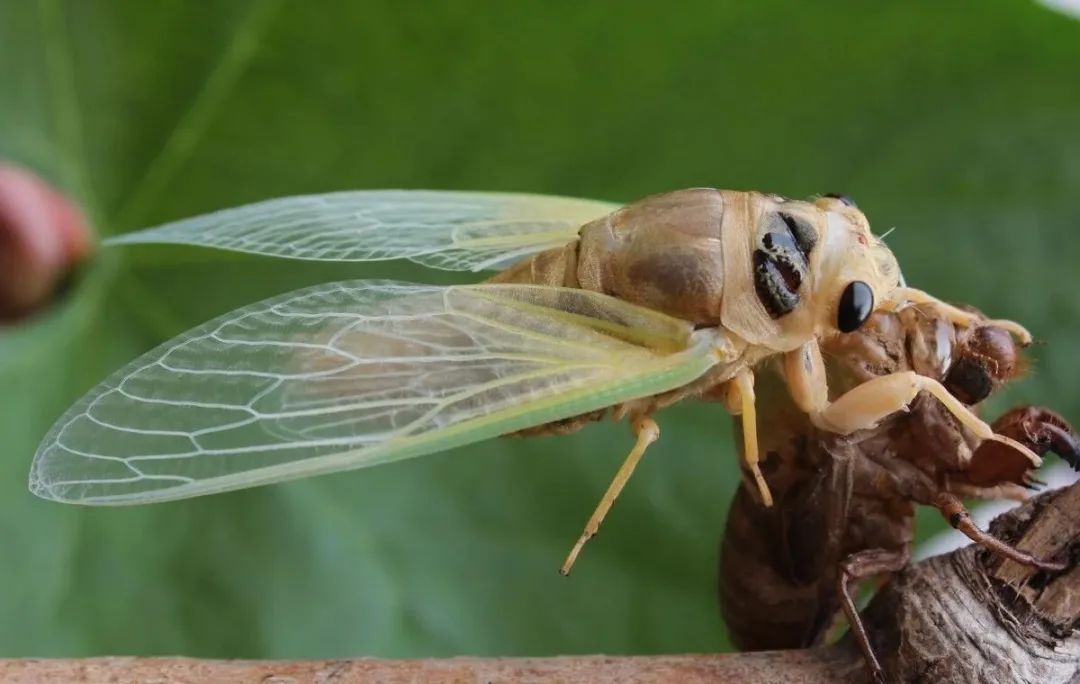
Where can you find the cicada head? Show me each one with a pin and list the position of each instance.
(857, 269)
(797, 270)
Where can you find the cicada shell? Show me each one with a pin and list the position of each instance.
(845, 505)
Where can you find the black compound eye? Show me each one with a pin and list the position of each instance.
(856, 305)
(848, 202)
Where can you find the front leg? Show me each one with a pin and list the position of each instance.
(904, 295)
(953, 510)
(866, 405)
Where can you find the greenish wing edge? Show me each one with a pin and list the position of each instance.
(669, 373)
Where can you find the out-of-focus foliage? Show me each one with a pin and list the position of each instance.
(957, 124)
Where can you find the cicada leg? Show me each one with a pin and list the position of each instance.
(647, 431)
(955, 314)
(864, 406)
(953, 510)
(853, 569)
(742, 400)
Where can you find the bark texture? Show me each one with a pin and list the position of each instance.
(778, 667)
(971, 616)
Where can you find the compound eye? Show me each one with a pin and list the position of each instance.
(848, 202)
(856, 305)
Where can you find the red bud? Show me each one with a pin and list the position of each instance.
(42, 237)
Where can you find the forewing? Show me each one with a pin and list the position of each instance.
(354, 374)
(458, 231)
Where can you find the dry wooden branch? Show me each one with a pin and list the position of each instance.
(790, 667)
(970, 616)
(963, 617)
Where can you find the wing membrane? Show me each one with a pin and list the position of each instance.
(457, 231)
(349, 375)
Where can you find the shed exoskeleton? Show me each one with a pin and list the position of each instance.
(599, 308)
(845, 505)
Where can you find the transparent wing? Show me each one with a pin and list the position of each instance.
(349, 375)
(457, 231)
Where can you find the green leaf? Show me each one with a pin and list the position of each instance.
(957, 127)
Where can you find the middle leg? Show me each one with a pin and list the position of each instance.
(742, 401)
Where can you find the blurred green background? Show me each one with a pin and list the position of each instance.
(956, 122)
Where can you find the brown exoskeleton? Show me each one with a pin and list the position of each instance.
(628, 310)
(845, 505)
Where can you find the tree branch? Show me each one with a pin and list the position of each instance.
(970, 616)
(963, 617)
(790, 667)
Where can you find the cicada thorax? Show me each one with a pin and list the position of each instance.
(663, 252)
(741, 260)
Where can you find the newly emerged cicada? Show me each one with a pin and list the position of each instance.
(845, 505)
(600, 308)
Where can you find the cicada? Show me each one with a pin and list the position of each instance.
(599, 309)
(845, 505)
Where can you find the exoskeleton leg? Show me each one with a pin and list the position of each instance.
(953, 510)
(853, 569)
(955, 314)
(647, 431)
(864, 406)
(743, 402)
